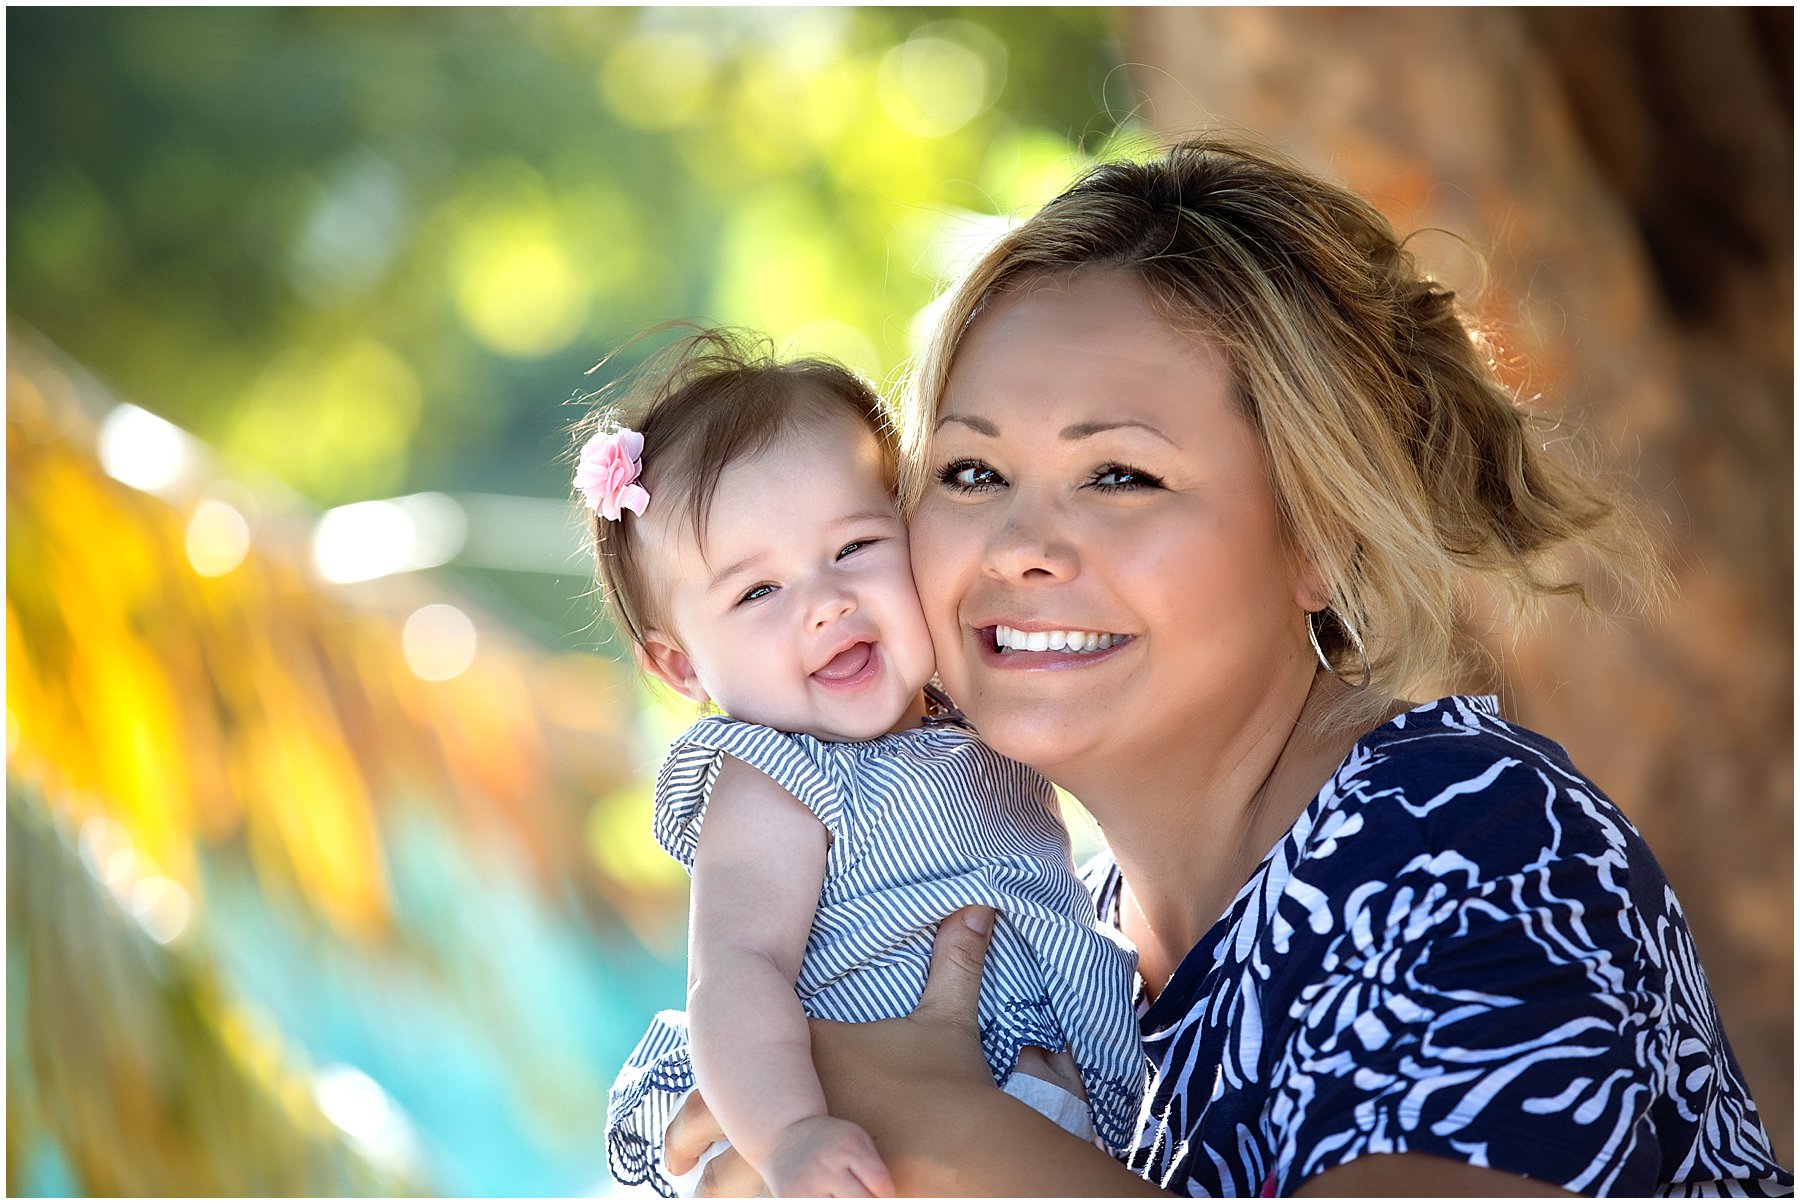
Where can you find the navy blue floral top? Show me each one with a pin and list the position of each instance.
(1462, 948)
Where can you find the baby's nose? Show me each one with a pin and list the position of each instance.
(832, 605)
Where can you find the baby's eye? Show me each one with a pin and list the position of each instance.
(855, 546)
(756, 592)
(1115, 478)
(969, 476)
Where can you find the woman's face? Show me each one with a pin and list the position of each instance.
(1098, 549)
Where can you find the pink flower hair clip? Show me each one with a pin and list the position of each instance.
(610, 467)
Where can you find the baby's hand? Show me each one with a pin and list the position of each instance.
(823, 1156)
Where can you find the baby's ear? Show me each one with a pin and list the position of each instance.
(664, 660)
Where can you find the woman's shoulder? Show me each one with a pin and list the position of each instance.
(1455, 754)
(1439, 740)
(1451, 779)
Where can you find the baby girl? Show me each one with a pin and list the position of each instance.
(750, 546)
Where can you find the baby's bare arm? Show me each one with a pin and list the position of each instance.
(758, 870)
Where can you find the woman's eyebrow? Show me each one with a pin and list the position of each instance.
(1079, 430)
(1082, 430)
(980, 426)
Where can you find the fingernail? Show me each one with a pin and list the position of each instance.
(979, 918)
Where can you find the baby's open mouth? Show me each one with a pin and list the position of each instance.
(1010, 639)
(847, 664)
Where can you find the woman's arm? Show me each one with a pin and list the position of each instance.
(758, 868)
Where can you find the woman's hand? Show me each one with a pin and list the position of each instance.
(921, 1086)
(690, 1134)
(886, 1070)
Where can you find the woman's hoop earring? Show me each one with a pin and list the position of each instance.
(1355, 642)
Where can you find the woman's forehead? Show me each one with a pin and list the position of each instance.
(1098, 336)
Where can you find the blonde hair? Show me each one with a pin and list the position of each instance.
(1399, 463)
(716, 397)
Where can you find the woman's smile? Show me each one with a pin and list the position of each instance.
(1018, 649)
(1012, 639)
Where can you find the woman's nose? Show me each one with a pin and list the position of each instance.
(1032, 543)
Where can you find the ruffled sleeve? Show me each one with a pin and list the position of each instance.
(796, 763)
(644, 1099)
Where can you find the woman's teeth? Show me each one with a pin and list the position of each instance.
(1009, 639)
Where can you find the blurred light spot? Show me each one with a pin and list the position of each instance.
(144, 451)
(804, 40)
(338, 424)
(101, 838)
(12, 733)
(161, 906)
(952, 247)
(218, 538)
(657, 81)
(618, 839)
(934, 83)
(518, 287)
(124, 867)
(366, 540)
(438, 641)
(616, 237)
(347, 243)
(355, 1103)
(362, 541)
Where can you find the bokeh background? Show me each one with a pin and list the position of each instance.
(328, 866)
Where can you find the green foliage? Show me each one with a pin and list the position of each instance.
(373, 250)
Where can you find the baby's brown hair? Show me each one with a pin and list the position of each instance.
(718, 396)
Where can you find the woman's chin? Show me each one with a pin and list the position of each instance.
(1049, 739)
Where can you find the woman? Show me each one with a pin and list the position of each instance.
(1208, 407)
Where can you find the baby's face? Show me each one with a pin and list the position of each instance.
(799, 613)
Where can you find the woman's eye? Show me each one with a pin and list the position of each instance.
(1118, 477)
(969, 476)
(756, 592)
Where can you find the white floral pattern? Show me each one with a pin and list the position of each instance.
(1462, 948)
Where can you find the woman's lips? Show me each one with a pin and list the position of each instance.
(850, 668)
(998, 647)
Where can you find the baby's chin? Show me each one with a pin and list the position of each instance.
(858, 733)
(873, 727)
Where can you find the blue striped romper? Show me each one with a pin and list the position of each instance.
(922, 822)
